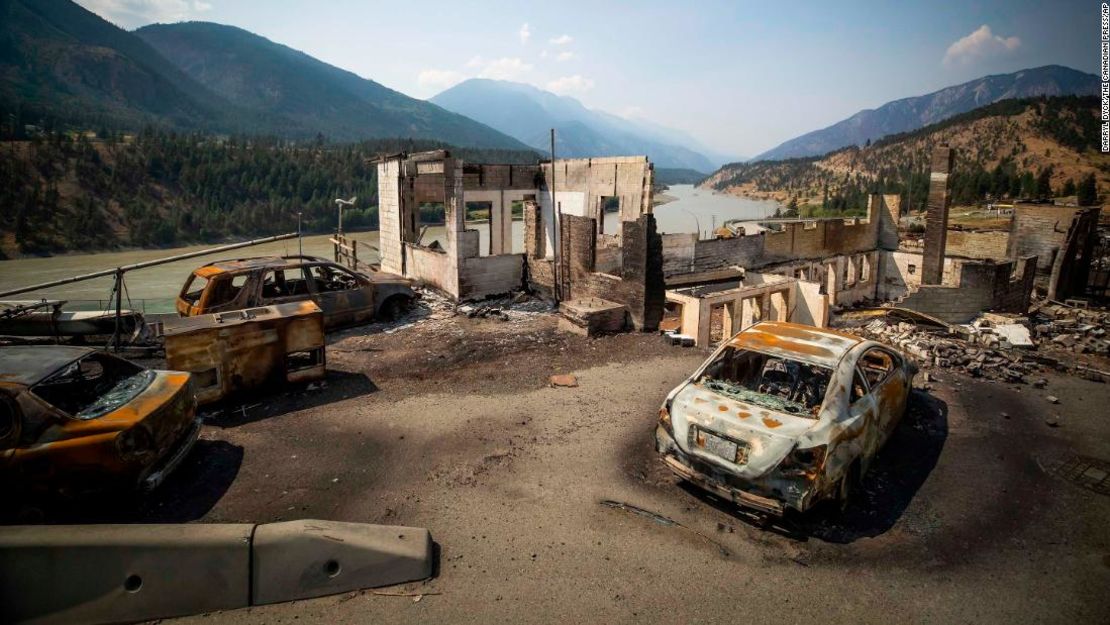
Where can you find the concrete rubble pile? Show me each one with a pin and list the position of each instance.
(1009, 348)
(983, 353)
(1083, 331)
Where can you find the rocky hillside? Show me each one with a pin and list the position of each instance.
(1031, 148)
(909, 114)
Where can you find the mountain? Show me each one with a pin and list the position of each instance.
(1012, 149)
(912, 113)
(58, 59)
(61, 62)
(261, 75)
(528, 114)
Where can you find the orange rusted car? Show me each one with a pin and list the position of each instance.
(346, 297)
(75, 421)
(784, 415)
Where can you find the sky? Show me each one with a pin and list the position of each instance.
(739, 77)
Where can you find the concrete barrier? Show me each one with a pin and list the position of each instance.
(302, 559)
(120, 573)
(93, 574)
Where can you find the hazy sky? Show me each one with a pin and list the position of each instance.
(741, 77)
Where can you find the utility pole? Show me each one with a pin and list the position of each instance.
(300, 244)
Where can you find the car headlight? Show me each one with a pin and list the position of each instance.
(134, 443)
(804, 461)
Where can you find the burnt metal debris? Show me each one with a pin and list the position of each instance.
(245, 350)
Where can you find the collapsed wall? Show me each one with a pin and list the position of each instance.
(566, 251)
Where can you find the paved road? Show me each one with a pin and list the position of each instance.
(960, 521)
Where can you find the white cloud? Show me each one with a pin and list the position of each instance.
(525, 33)
(562, 40)
(980, 44)
(439, 79)
(505, 68)
(570, 84)
(135, 13)
(565, 56)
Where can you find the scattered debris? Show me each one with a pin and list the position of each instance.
(662, 520)
(1052, 399)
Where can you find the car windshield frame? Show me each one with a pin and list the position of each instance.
(800, 374)
(85, 393)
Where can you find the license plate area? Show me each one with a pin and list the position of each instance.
(724, 448)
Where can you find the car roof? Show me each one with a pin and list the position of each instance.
(254, 262)
(818, 346)
(27, 365)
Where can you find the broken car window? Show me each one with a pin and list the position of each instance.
(769, 381)
(224, 290)
(332, 279)
(93, 386)
(877, 365)
(194, 288)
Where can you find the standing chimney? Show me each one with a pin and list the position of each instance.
(936, 219)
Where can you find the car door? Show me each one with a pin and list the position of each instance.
(886, 378)
(855, 425)
(345, 297)
(284, 284)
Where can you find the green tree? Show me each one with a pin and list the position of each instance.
(1087, 194)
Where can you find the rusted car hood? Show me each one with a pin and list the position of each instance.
(769, 434)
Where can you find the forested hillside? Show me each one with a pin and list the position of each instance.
(66, 191)
(1015, 149)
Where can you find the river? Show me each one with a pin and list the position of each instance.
(154, 289)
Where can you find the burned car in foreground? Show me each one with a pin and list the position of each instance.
(346, 297)
(75, 421)
(783, 416)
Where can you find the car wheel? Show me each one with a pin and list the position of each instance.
(394, 308)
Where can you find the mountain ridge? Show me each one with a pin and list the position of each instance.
(1031, 148)
(527, 113)
(63, 64)
(911, 113)
(252, 71)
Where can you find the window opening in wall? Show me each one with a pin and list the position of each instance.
(864, 268)
(717, 324)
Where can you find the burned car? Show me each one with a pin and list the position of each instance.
(75, 421)
(346, 297)
(783, 416)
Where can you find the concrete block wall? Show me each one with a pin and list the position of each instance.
(639, 287)
(490, 275)
(986, 244)
(979, 286)
(389, 216)
(432, 268)
(1040, 230)
(626, 177)
(954, 304)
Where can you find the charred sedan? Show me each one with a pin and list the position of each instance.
(346, 297)
(784, 416)
(74, 421)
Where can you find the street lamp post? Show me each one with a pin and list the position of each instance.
(339, 204)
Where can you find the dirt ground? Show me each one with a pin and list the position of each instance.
(451, 424)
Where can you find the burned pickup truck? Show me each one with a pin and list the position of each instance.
(784, 416)
(74, 421)
(346, 297)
